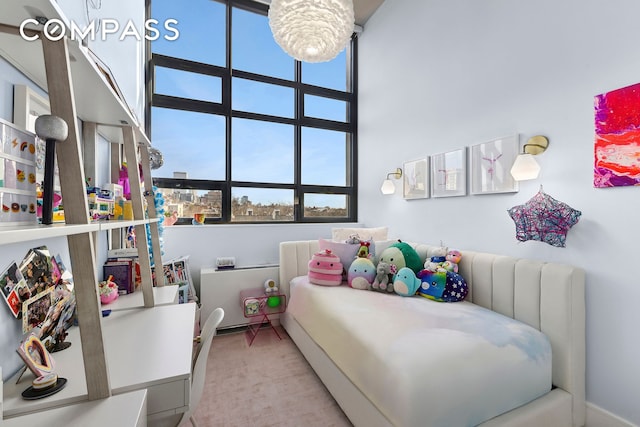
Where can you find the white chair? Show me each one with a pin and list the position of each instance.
(199, 370)
(208, 328)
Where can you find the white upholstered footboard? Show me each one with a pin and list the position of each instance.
(547, 296)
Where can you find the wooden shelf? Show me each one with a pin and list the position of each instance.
(103, 106)
(162, 295)
(10, 235)
(115, 224)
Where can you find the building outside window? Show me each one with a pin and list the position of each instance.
(247, 133)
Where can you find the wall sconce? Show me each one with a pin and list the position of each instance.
(525, 166)
(388, 187)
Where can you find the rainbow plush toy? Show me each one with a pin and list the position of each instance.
(325, 269)
(442, 286)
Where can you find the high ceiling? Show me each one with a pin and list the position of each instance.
(364, 9)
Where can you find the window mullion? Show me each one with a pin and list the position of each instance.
(226, 102)
(298, 207)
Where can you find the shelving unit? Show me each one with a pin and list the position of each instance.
(79, 89)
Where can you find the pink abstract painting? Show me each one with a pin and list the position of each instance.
(617, 140)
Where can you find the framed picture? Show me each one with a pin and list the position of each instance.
(36, 269)
(59, 318)
(449, 173)
(35, 309)
(11, 282)
(35, 356)
(490, 166)
(415, 179)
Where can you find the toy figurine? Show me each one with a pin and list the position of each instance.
(270, 287)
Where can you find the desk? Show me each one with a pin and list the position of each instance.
(127, 409)
(162, 295)
(146, 348)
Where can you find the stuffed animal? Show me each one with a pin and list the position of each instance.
(435, 261)
(442, 286)
(325, 268)
(405, 282)
(361, 273)
(270, 287)
(384, 277)
(401, 255)
(448, 266)
(353, 239)
(363, 250)
(454, 256)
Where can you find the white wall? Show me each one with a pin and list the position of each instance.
(437, 76)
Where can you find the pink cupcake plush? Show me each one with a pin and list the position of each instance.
(325, 269)
(108, 291)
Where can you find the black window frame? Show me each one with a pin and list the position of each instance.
(299, 121)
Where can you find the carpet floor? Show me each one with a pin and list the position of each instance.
(266, 384)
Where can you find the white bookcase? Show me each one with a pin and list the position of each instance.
(79, 89)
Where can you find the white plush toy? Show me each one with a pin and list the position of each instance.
(270, 287)
(434, 262)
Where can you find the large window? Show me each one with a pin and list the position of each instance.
(247, 133)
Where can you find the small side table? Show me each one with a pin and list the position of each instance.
(258, 306)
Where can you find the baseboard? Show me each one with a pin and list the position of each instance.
(598, 417)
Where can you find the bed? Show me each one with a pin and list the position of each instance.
(360, 344)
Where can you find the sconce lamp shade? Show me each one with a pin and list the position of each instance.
(388, 187)
(312, 31)
(525, 167)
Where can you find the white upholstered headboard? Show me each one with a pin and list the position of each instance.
(548, 296)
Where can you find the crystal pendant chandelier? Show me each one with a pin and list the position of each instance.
(312, 30)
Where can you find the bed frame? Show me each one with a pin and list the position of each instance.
(546, 296)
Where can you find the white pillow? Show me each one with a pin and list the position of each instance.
(375, 234)
(347, 252)
(381, 245)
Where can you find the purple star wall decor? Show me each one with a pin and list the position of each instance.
(544, 219)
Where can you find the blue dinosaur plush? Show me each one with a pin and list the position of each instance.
(406, 283)
(442, 286)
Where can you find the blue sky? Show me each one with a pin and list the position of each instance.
(194, 142)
